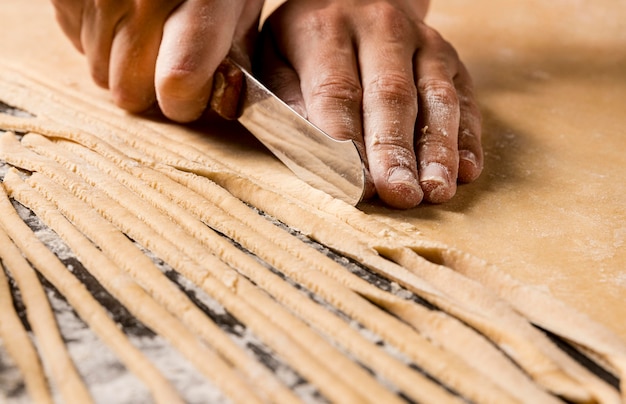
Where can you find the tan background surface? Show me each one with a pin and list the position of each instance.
(550, 207)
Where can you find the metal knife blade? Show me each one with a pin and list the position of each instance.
(330, 165)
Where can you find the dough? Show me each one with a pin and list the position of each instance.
(15, 336)
(184, 177)
(84, 303)
(53, 352)
(360, 247)
(413, 382)
(398, 334)
(199, 275)
(129, 293)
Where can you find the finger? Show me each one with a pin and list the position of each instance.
(328, 73)
(390, 108)
(196, 38)
(437, 148)
(133, 57)
(470, 148)
(96, 36)
(327, 69)
(246, 32)
(69, 15)
(228, 79)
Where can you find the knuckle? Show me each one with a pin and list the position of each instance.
(439, 92)
(392, 141)
(316, 22)
(390, 20)
(431, 35)
(339, 88)
(431, 38)
(319, 23)
(393, 89)
(131, 98)
(178, 82)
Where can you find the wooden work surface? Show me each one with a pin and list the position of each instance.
(550, 77)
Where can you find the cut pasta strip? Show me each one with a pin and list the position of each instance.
(85, 304)
(15, 336)
(399, 335)
(489, 301)
(236, 305)
(412, 385)
(54, 353)
(136, 299)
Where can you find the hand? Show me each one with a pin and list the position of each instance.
(165, 51)
(373, 72)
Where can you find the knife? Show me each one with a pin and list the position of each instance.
(333, 166)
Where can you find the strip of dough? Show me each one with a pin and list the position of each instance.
(340, 331)
(43, 323)
(537, 361)
(85, 304)
(400, 335)
(323, 205)
(526, 353)
(303, 360)
(136, 299)
(281, 260)
(546, 311)
(16, 339)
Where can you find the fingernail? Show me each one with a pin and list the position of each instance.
(403, 191)
(435, 174)
(468, 156)
(401, 175)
